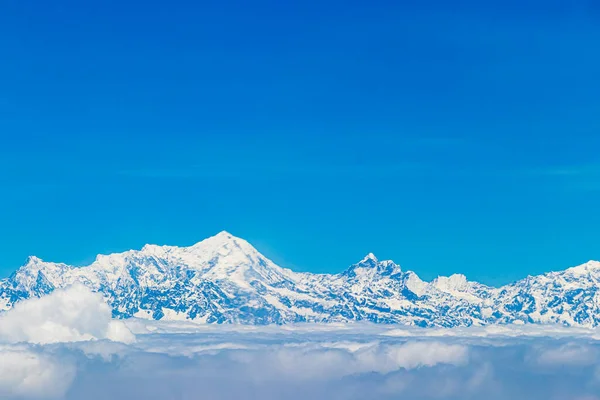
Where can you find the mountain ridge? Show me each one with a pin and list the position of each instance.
(224, 279)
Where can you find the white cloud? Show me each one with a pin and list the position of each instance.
(182, 361)
(72, 314)
(26, 373)
(570, 354)
(428, 354)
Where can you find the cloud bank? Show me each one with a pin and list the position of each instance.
(69, 315)
(65, 346)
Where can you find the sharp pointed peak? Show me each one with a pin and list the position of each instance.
(221, 237)
(371, 263)
(33, 260)
(225, 235)
(224, 239)
(370, 260)
(32, 263)
(369, 257)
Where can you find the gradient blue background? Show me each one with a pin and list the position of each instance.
(450, 138)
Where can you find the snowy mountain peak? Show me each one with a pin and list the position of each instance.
(223, 239)
(369, 258)
(33, 260)
(370, 268)
(451, 283)
(589, 267)
(153, 248)
(32, 265)
(225, 234)
(593, 264)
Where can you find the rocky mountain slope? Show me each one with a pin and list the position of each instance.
(223, 279)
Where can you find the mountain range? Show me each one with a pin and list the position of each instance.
(224, 279)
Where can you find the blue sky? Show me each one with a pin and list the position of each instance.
(450, 138)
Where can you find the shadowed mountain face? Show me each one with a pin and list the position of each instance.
(223, 279)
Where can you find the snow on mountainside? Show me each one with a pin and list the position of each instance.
(223, 279)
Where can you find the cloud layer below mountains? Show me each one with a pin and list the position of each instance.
(65, 346)
(70, 315)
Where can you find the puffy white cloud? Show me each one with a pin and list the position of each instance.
(72, 314)
(428, 354)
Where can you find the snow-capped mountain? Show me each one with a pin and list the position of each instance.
(223, 279)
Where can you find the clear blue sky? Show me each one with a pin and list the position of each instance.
(450, 138)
